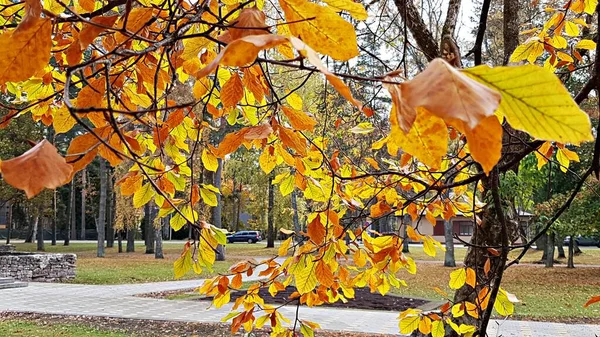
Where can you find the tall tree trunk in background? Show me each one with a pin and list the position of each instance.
(149, 228)
(130, 240)
(295, 218)
(449, 260)
(53, 218)
(217, 210)
(110, 229)
(120, 241)
(559, 246)
(72, 215)
(101, 223)
(570, 263)
(158, 235)
(406, 219)
(83, 195)
(550, 251)
(10, 224)
(38, 228)
(270, 207)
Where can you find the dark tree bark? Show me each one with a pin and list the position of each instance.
(53, 218)
(511, 28)
(570, 263)
(39, 229)
(149, 229)
(110, 229)
(158, 247)
(101, 223)
(449, 260)
(406, 219)
(10, 224)
(83, 195)
(120, 241)
(72, 212)
(560, 248)
(217, 210)
(425, 41)
(130, 240)
(550, 251)
(270, 211)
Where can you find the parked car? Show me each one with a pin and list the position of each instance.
(245, 236)
(583, 241)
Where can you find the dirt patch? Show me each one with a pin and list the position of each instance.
(152, 328)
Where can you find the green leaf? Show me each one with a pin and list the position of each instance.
(534, 100)
(177, 221)
(143, 195)
(287, 185)
(209, 197)
(306, 331)
(219, 235)
(305, 276)
(437, 329)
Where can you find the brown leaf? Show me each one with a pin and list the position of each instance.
(91, 31)
(316, 230)
(82, 151)
(251, 21)
(449, 94)
(37, 168)
(401, 115)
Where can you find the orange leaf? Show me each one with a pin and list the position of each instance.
(450, 94)
(232, 91)
(591, 301)
(412, 234)
(82, 151)
(131, 184)
(471, 277)
(379, 209)
(258, 132)
(298, 119)
(251, 21)
(236, 281)
(484, 141)
(316, 231)
(195, 194)
(25, 51)
(324, 274)
(486, 266)
(93, 94)
(292, 140)
(91, 31)
(242, 51)
(230, 143)
(37, 168)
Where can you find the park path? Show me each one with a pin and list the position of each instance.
(120, 301)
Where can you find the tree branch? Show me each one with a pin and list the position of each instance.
(418, 28)
(477, 48)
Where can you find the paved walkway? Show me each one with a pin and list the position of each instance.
(119, 301)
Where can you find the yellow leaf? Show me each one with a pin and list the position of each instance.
(425, 325)
(287, 185)
(209, 160)
(355, 9)
(590, 6)
(564, 56)
(458, 278)
(586, 44)
(321, 28)
(409, 323)
(183, 264)
(62, 120)
(503, 305)
(25, 51)
(437, 329)
(427, 139)
(360, 258)
(529, 51)
(571, 28)
(534, 100)
(284, 246)
(222, 299)
(177, 222)
(412, 234)
(299, 119)
(267, 160)
(143, 195)
(429, 247)
(209, 197)
(559, 42)
(305, 276)
(294, 100)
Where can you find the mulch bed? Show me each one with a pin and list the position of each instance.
(363, 299)
(151, 328)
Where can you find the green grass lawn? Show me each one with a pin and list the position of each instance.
(19, 328)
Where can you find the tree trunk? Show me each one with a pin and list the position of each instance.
(72, 215)
(38, 227)
(270, 209)
(561, 249)
(550, 251)
(120, 241)
(110, 229)
(576, 246)
(101, 223)
(217, 210)
(148, 229)
(9, 224)
(406, 219)
(83, 194)
(570, 263)
(130, 240)
(53, 218)
(158, 249)
(449, 260)
(295, 218)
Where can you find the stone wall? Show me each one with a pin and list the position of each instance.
(38, 267)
